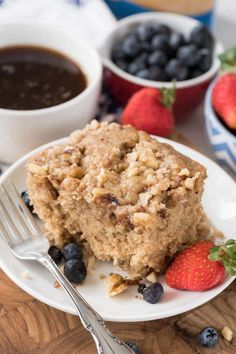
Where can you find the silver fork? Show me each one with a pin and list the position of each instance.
(25, 240)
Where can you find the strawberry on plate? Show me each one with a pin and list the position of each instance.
(150, 110)
(193, 270)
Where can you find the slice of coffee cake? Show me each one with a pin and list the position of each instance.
(136, 201)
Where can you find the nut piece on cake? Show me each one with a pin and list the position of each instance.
(116, 284)
(135, 201)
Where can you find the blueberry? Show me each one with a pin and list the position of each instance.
(145, 46)
(157, 74)
(142, 57)
(117, 52)
(176, 40)
(72, 251)
(55, 253)
(130, 46)
(208, 337)
(157, 58)
(205, 59)
(153, 293)
(122, 64)
(175, 70)
(161, 42)
(162, 29)
(201, 37)
(75, 270)
(134, 347)
(141, 287)
(145, 31)
(195, 73)
(26, 200)
(138, 64)
(143, 74)
(188, 55)
(135, 66)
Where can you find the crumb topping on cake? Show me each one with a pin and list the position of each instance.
(136, 201)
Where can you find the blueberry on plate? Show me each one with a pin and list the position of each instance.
(157, 58)
(205, 59)
(202, 37)
(141, 287)
(208, 337)
(145, 31)
(162, 29)
(134, 347)
(176, 40)
(153, 293)
(161, 42)
(175, 70)
(130, 46)
(188, 55)
(26, 200)
(55, 253)
(75, 270)
(157, 74)
(72, 251)
(143, 74)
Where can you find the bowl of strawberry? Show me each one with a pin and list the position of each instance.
(220, 112)
(153, 49)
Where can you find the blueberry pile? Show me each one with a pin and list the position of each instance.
(74, 267)
(157, 52)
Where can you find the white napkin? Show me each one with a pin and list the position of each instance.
(92, 19)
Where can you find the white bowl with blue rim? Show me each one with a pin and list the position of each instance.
(223, 141)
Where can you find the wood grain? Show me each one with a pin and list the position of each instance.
(28, 326)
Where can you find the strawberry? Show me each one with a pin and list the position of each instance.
(193, 270)
(224, 99)
(150, 110)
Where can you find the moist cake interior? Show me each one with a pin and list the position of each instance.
(134, 200)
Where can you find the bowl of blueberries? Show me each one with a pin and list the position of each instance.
(153, 49)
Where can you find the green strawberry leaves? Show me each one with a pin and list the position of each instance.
(225, 253)
(228, 60)
(168, 95)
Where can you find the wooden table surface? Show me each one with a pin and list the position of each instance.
(27, 326)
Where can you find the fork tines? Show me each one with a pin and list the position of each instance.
(17, 223)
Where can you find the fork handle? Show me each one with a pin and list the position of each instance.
(106, 343)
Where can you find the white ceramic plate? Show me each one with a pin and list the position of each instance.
(220, 204)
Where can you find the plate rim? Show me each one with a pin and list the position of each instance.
(66, 308)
